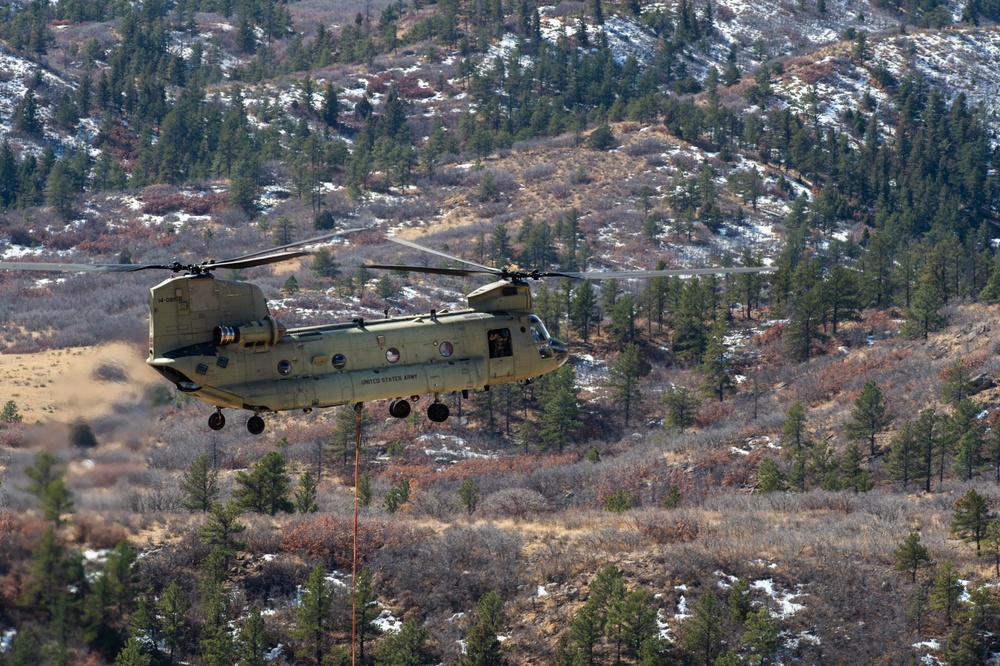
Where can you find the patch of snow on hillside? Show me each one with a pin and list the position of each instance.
(787, 607)
(445, 452)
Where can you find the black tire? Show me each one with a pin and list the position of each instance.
(217, 421)
(399, 408)
(255, 425)
(438, 412)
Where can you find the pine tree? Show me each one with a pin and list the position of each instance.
(406, 647)
(870, 415)
(971, 516)
(305, 494)
(965, 438)
(397, 496)
(911, 556)
(314, 620)
(133, 655)
(200, 485)
(266, 487)
(769, 476)
(946, 590)
(682, 407)
(716, 363)
(903, 459)
(171, 610)
(482, 645)
(222, 527)
(927, 438)
(468, 494)
(923, 316)
(560, 415)
(851, 475)
(702, 634)
(48, 485)
(367, 610)
(761, 635)
(583, 311)
(957, 384)
(9, 413)
(625, 374)
(251, 640)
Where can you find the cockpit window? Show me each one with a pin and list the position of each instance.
(538, 331)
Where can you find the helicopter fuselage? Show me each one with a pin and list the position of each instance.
(215, 340)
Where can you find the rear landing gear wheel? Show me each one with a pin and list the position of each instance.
(255, 425)
(438, 412)
(399, 408)
(216, 421)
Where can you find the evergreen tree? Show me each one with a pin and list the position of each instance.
(397, 496)
(851, 475)
(10, 414)
(171, 611)
(305, 494)
(946, 590)
(870, 415)
(970, 517)
(903, 460)
(330, 112)
(406, 647)
(251, 640)
(911, 556)
(200, 485)
(560, 416)
(314, 620)
(716, 363)
(468, 494)
(482, 645)
(48, 485)
(702, 634)
(222, 526)
(583, 311)
(761, 635)
(324, 265)
(133, 655)
(928, 440)
(965, 438)
(266, 487)
(367, 610)
(682, 407)
(625, 374)
(957, 384)
(923, 316)
(769, 476)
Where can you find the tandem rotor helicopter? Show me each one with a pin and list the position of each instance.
(216, 341)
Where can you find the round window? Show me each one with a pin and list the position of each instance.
(446, 349)
(339, 361)
(392, 354)
(284, 367)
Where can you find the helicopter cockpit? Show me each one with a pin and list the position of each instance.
(547, 346)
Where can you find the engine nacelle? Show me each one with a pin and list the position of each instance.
(267, 331)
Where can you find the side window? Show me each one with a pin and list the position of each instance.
(500, 345)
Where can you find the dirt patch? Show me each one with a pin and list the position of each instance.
(66, 384)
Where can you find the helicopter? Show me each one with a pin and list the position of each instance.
(215, 339)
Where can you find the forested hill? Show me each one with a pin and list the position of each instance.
(798, 467)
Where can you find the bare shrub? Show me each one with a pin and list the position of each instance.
(647, 147)
(514, 503)
(539, 171)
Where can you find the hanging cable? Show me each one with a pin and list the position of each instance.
(358, 407)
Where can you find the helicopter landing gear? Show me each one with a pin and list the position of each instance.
(217, 421)
(399, 408)
(438, 412)
(255, 425)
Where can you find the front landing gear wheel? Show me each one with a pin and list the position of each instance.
(255, 425)
(216, 421)
(438, 412)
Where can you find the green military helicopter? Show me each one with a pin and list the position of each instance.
(216, 341)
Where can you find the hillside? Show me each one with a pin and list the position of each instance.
(699, 486)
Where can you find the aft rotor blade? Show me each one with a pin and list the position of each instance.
(461, 272)
(250, 262)
(445, 255)
(79, 268)
(285, 248)
(631, 275)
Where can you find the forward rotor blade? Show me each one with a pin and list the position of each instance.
(461, 272)
(444, 255)
(79, 268)
(629, 275)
